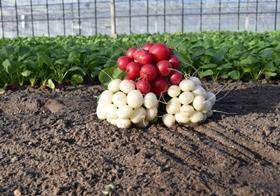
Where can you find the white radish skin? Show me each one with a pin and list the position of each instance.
(111, 111)
(200, 91)
(187, 108)
(186, 98)
(197, 117)
(127, 85)
(173, 91)
(187, 85)
(119, 99)
(112, 121)
(124, 111)
(151, 113)
(211, 97)
(123, 123)
(196, 81)
(135, 99)
(150, 100)
(168, 120)
(101, 113)
(105, 97)
(199, 103)
(142, 124)
(173, 106)
(138, 115)
(181, 118)
(114, 85)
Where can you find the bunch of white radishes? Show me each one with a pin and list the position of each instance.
(123, 105)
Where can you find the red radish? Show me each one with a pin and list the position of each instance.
(174, 62)
(176, 77)
(122, 62)
(143, 86)
(148, 72)
(129, 52)
(170, 51)
(159, 86)
(164, 67)
(147, 46)
(126, 77)
(132, 70)
(137, 53)
(144, 57)
(160, 52)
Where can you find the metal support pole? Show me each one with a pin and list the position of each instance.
(16, 9)
(164, 15)
(257, 14)
(63, 17)
(183, 15)
(238, 15)
(200, 27)
(276, 15)
(220, 13)
(129, 15)
(79, 18)
(113, 18)
(31, 14)
(95, 16)
(148, 22)
(2, 21)
(48, 18)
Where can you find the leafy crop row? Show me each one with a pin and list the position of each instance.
(77, 59)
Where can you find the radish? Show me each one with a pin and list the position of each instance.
(173, 91)
(181, 118)
(139, 114)
(176, 77)
(136, 54)
(207, 107)
(160, 52)
(196, 81)
(144, 57)
(144, 86)
(123, 123)
(142, 124)
(147, 46)
(211, 97)
(119, 99)
(186, 98)
(129, 52)
(101, 113)
(159, 86)
(133, 70)
(127, 85)
(187, 85)
(199, 90)
(112, 121)
(135, 99)
(106, 97)
(124, 111)
(173, 106)
(168, 120)
(199, 103)
(187, 110)
(174, 62)
(164, 67)
(151, 113)
(148, 72)
(122, 62)
(114, 85)
(150, 100)
(197, 117)
(111, 111)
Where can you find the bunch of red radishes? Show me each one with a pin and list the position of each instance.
(152, 73)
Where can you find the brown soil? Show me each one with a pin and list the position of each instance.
(52, 143)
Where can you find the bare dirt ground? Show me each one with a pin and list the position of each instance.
(52, 143)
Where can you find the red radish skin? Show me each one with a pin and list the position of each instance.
(144, 57)
(144, 86)
(174, 62)
(170, 51)
(176, 77)
(164, 67)
(159, 86)
(129, 52)
(147, 46)
(122, 62)
(137, 53)
(133, 70)
(160, 52)
(148, 72)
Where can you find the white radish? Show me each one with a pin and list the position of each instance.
(173, 91)
(199, 91)
(187, 85)
(123, 123)
(211, 97)
(197, 117)
(173, 106)
(101, 113)
(196, 80)
(168, 120)
(181, 118)
(151, 113)
(150, 100)
(124, 111)
(127, 85)
(199, 103)
(112, 121)
(186, 98)
(138, 115)
(105, 98)
(135, 99)
(187, 110)
(142, 124)
(111, 111)
(119, 99)
(114, 85)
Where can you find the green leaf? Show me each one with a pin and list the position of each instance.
(109, 73)
(50, 84)
(235, 75)
(7, 65)
(208, 66)
(77, 79)
(269, 74)
(2, 91)
(26, 73)
(266, 53)
(205, 73)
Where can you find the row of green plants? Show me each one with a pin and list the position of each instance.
(52, 61)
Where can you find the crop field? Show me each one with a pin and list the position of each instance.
(58, 137)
